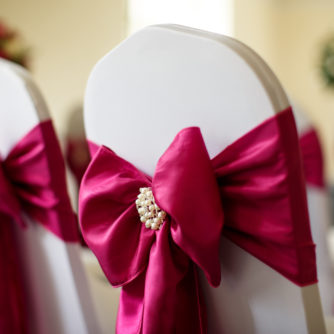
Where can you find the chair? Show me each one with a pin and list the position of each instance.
(168, 77)
(59, 299)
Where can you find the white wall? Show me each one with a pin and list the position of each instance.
(288, 34)
(67, 37)
(212, 15)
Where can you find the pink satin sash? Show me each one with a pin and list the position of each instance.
(32, 181)
(253, 192)
(312, 159)
(32, 178)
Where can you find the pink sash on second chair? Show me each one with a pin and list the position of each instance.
(32, 181)
(312, 159)
(253, 192)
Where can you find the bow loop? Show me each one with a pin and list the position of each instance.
(110, 212)
(184, 185)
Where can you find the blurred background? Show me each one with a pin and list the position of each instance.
(64, 39)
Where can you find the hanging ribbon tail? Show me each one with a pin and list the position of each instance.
(172, 302)
(13, 308)
(264, 198)
(184, 185)
(312, 159)
(109, 219)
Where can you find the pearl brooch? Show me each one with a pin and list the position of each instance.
(149, 212)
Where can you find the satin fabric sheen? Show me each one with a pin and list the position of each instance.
(253, 192)
(32, 181)
(312, 159)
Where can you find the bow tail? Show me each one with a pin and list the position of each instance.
(13, 311)
(166, 298)
(171, 303)
(130, 310)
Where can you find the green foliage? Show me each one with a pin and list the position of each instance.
(327, 62)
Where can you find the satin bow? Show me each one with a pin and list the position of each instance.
(256, 181)
(32, 181)
(156, 269)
